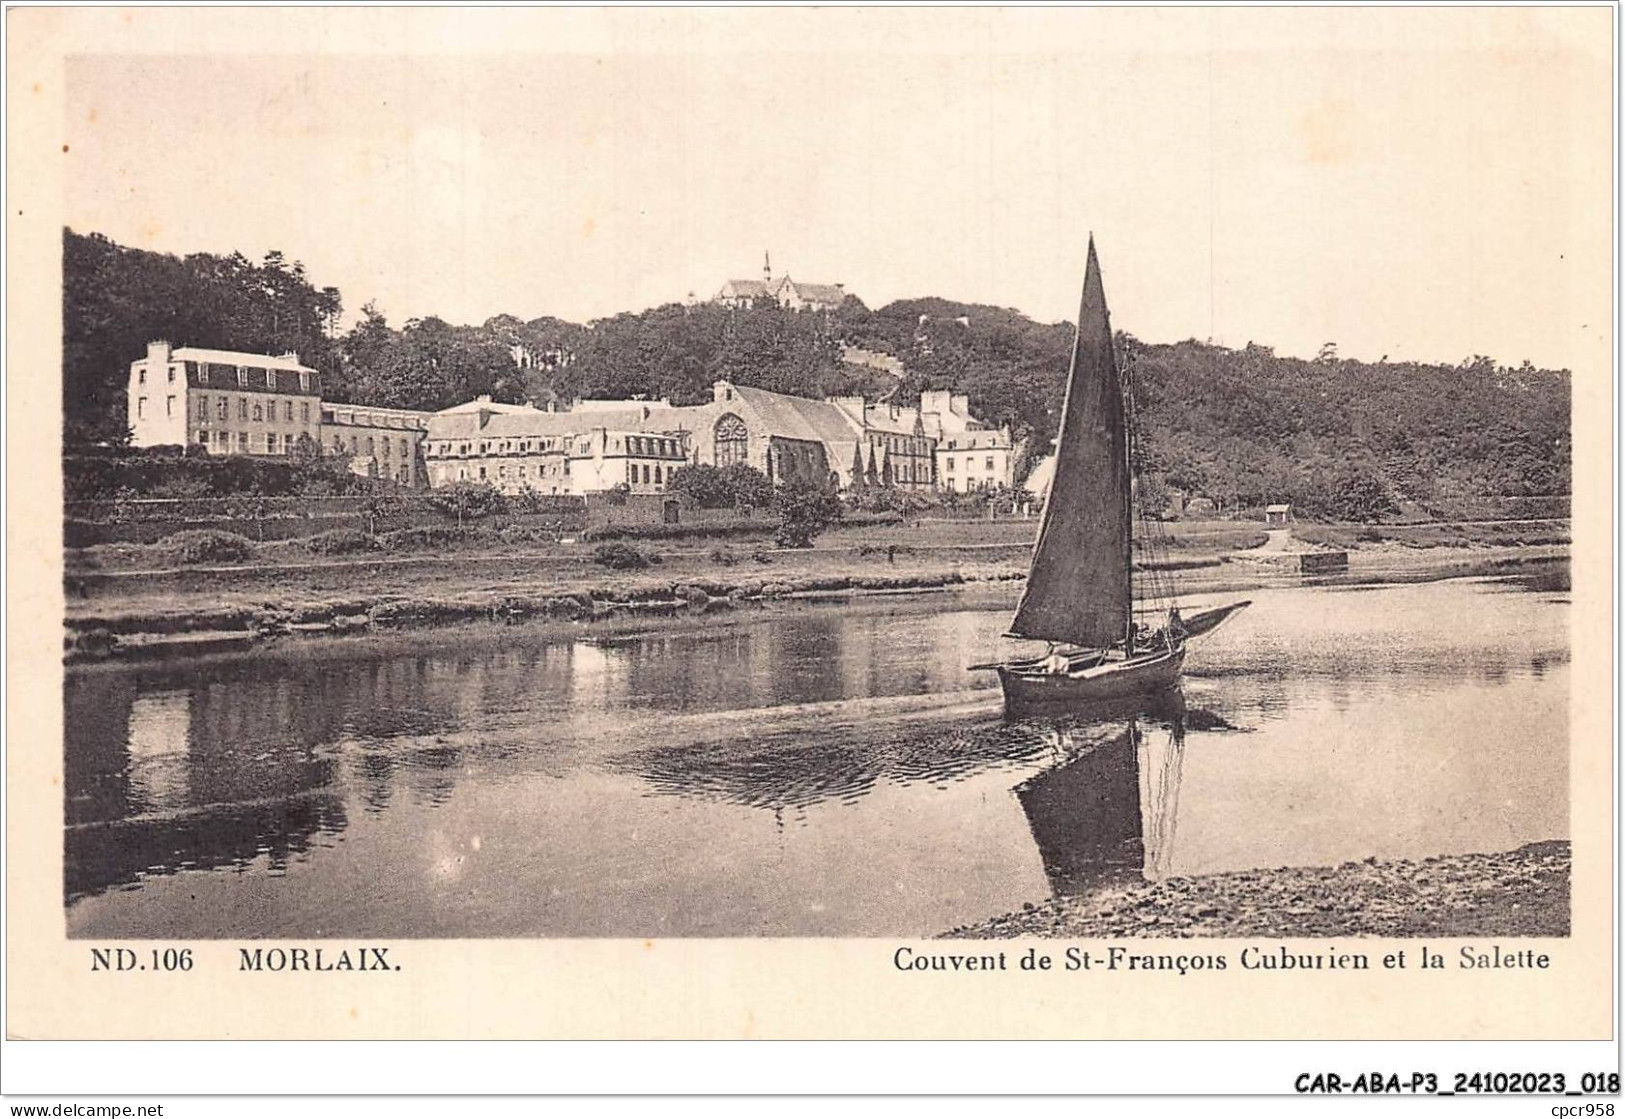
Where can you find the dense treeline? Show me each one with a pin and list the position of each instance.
(1336, 437)
(115, 300)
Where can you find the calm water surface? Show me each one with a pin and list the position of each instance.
(821, 771)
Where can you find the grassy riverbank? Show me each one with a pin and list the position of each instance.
(1514, 893)
(130, 597)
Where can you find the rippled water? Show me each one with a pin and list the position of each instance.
(812, 771)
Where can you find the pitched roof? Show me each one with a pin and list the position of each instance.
(754, 289)
(530, 423)
(486, 405)
(880, 418)
(800, 417)
(818, 293)
(236, 357)
(1038, 481)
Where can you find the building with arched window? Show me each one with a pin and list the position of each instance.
(730, 440)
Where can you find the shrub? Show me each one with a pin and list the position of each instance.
(737, 485)
(804, 512)
(723, 556)
(619, 557)
(427, 536)
(525, 534)
(341, 541)
(208, 546)
(699, 530)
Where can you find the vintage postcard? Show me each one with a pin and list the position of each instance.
(811, 524)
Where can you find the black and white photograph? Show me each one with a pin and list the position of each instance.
(1087, 475)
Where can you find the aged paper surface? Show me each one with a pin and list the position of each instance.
(748, 985)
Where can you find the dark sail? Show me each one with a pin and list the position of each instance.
(1078, 588)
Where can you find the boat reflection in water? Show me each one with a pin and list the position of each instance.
(1106, 813)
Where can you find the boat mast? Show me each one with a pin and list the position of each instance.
(1128, 499)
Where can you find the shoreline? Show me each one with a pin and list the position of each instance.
(1518, 893)
(171, 623)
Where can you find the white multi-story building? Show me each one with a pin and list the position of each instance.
(517, 448)
(223, 401)
(970, 455)
(233, 403)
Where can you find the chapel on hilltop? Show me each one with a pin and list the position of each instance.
(784, 291)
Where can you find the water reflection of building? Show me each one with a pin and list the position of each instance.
(166, 774)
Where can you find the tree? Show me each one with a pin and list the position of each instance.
(252, 507)
(745, 486)
(702, 483)
(467, 501)
(804, 510)
(380, 504)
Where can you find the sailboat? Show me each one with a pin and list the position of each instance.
(1079, 593)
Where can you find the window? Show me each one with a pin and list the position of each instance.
(202, 407)
(270, 379)
(202, 372)
(287, 410)
(169, 405)
(732, 440)
(950, 464)
(257, 413)
(141, 375)
(386, 447)
(304, 382)
(482, 473)
(304, 411)
(172, 374)
(242, 376)
(223, 410)
(645, 472)
(355, 445)
(203, 438)
(405, 449)
(631, 472)
(242, 407)
(338, 442)
(370, 449)
(140, 407)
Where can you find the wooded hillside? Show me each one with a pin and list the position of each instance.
(1337, 437)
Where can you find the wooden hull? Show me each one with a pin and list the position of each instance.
(1145, 674)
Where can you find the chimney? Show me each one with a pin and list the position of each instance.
(157, 355)
(722, 392)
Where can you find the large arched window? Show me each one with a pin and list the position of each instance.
(732, 440)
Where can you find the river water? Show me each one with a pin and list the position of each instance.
(803, 771)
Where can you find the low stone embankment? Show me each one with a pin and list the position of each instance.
(138, 634)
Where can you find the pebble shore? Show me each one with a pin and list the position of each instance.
(1513, 893)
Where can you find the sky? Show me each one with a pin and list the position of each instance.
(1416, 183)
